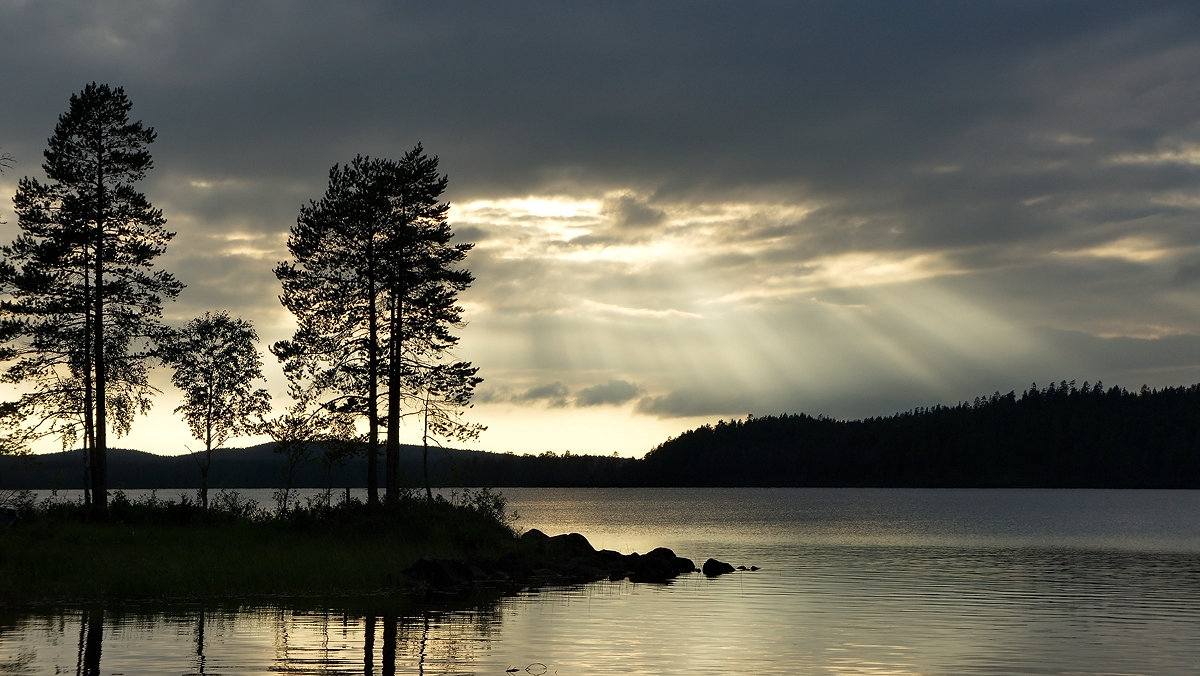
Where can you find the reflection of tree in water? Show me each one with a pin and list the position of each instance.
(91, 639)
(364, 638)
(380, 640)
(200, 641)
(431, 641)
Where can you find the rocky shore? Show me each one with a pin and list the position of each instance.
(559, 559)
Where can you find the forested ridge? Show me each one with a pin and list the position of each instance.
(1056, 436)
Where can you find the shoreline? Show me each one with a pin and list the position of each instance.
(156, 551)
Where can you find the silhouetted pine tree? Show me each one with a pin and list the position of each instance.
(83, 304)
(373, 284)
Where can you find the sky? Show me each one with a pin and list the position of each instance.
(682, 211)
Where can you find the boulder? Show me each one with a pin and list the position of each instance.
(647, 568)
(679, 564)
(570, 544)
(534, 536)
(713, 568)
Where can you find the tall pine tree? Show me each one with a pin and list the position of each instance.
(374, 283)
(83, 304)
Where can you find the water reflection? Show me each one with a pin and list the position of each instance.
(852, 582)
(91, 638)
(382, 638)
(836, 610)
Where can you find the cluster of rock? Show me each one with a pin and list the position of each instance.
(567, 558)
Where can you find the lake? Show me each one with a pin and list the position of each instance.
(852, 581)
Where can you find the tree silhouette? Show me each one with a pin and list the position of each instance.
(83, 302)
(444, 391)
(215, 362)
(373, 284)
(1058, 436)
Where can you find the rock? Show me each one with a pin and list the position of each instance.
(534, 535)
(713, 568)
(650, 568)
(544, 559)
(571, 544)
(658, 565)
(679, 564)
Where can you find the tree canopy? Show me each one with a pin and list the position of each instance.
(1062, 435)
(82, 303)
(215, 361)
(373, 283)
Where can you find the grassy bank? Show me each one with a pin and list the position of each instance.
(156, 549)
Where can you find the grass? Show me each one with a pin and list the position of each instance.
(156, 549)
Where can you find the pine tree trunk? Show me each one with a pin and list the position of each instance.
(393, 413)
(425, 453)
(100, 448)
(89, 419)
(372, 386)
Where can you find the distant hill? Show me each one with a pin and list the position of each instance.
(1061, 436)
(260, 467)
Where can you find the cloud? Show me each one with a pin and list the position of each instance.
(553, 395)
(847, 208)
(685, 404)
(557, 395)
(630, 212)
(612, 393)
(1187, 273)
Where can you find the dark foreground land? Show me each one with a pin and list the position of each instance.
(155, 550)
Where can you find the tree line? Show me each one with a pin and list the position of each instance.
(1061, 436)
(1057, 436)
(373, 283)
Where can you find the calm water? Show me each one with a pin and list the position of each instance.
(853, 581)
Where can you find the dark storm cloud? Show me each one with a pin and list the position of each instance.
(852, 101)
(520, 96)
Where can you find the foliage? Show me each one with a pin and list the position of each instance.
(215, 364)
(82, 304)
(297, 432)
(491, 505)
(373, 283)
(15, 499)
(151, 548)
(1062, 436)
(445, 390)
